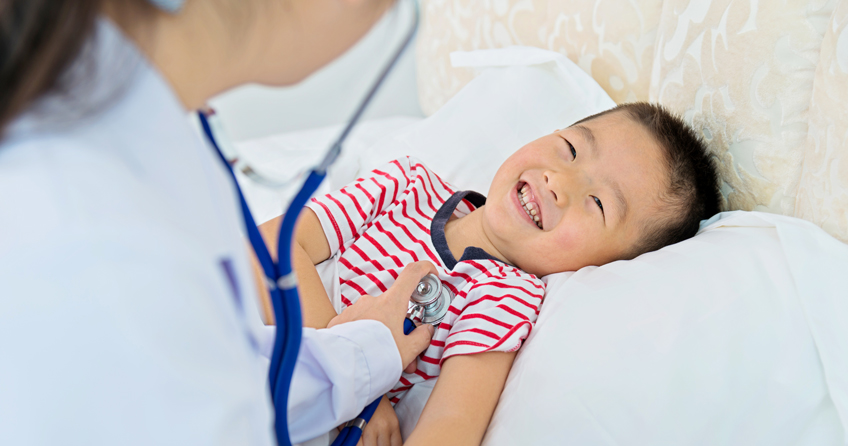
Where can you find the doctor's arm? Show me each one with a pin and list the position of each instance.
(463, 400)
(310, 249)
(346, 366)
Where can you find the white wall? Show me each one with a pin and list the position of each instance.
(330, 95)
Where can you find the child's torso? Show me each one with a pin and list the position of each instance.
(491, 297)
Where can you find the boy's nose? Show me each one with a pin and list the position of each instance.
(562, 186)
(552, 184)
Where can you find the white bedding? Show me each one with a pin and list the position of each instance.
(737, 336)
(287, 154)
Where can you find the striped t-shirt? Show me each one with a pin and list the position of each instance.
(395, 216)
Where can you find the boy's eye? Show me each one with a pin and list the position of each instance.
(573, 152)
(600, 205)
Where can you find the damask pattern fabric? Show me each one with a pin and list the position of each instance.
(823, 192)
(742, 71)
(612, 40)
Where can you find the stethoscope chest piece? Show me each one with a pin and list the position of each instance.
(433, 298)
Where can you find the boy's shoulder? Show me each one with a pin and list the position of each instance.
(408, 170)
(493, 272)
(405, 164)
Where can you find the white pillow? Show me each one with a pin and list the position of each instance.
(522, 94)
(285, 155)
(737, 336)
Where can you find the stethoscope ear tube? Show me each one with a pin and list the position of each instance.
(280, 295)
(282, 287)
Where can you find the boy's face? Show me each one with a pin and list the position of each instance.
(590, 207)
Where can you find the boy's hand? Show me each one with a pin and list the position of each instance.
(390, 308)
(383, 429)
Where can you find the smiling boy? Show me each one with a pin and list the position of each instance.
(590, 188)
(610, 187)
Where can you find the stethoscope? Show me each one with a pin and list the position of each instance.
(430, 300)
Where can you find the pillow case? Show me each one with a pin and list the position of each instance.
(736, 336)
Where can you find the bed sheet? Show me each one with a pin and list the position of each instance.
(284, 155)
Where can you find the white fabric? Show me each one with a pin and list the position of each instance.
(119, 322)
(737, 336)
(287, 154)
(523, 93)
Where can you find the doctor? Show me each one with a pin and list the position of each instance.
(127, 310)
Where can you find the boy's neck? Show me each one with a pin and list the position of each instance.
(461, 233)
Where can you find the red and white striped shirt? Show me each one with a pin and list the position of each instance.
(397, 215)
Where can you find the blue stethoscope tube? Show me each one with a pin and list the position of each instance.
(280, 277)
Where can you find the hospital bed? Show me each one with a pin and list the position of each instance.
(738, 336)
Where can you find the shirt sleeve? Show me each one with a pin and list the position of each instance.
(346, 213)
(497, 315)
(339, 371)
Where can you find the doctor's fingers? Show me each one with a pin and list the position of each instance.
(366, 307)
(407, 281)
(391, 306)
(412, 345)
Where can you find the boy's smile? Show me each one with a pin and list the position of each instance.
(526, 200)
(577, 197)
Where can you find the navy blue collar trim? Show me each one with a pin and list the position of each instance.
(437, 230)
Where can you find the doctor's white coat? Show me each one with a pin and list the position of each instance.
(127, 308)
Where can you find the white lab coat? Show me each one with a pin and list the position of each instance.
(127, 306)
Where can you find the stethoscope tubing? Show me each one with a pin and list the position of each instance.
(280, 278)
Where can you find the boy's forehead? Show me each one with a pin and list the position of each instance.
(617, 133)
(614, 118)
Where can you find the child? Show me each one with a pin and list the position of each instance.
(610, 187)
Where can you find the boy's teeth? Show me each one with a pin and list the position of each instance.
(529, 208)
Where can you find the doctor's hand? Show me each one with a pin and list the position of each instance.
(390, 308)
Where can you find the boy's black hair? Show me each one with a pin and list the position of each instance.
(693, 191)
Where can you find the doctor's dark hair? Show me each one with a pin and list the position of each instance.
(40, 40)
(692, 188)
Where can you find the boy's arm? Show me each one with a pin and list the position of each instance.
(310, 248)
(464, 399)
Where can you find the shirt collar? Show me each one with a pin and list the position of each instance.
(437, 230)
